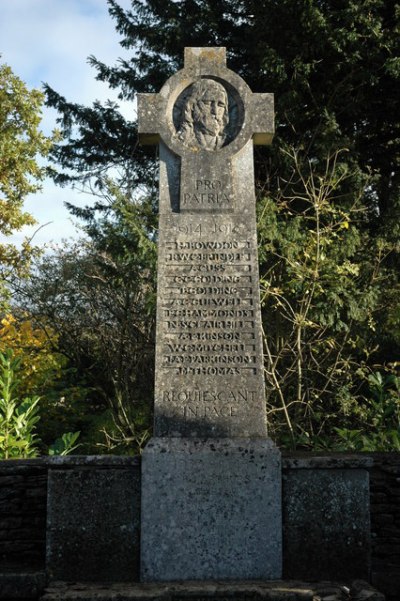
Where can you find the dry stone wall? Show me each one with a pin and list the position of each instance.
(326, 518)
(23, 492)
(23, 495)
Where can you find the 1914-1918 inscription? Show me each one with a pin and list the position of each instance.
(209, 368)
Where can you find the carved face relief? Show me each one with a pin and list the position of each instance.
(204, 116)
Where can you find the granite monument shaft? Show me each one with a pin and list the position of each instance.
(209, 369)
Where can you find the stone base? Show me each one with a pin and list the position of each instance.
(213, 591)
(211, 510)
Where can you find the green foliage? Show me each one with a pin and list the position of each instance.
(322, 301)
(35, 345)
(99, 295)
(380, 415)
(42, 370)
(18, 419)
(127, 429)
(21, 143)
(65, 444)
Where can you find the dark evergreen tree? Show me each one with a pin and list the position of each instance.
(334, 68)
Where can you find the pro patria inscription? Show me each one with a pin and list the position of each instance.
(209, 368)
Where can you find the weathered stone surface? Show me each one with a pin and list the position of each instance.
(213, 591)
(326, 524)
(20, 476)
(209, 371)
(193, 591)
(215, 510)
(93, 523)
(22, 585)
(211, 502)
(326, 461)
(23, 494)
(91, 461)
(363, 591)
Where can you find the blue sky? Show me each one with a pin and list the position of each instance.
(49, 41)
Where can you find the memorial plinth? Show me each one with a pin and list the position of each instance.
(210, 478)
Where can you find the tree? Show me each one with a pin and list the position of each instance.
(21, 146)
(332, 66)
(98, 294)
(334, 70)
(324, 305)
(40, 370)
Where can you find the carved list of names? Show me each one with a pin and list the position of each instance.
(209, 363)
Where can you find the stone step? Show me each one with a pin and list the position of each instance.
(204, 591)
(21, 584)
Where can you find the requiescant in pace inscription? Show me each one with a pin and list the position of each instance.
(209, 368)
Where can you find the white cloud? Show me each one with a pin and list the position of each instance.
(49, 41)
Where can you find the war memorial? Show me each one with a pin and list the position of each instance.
(223, 490)
(211, 511)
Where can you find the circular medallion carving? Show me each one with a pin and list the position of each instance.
(207, 115)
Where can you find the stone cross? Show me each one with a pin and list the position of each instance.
(211, 479)
(209, 366)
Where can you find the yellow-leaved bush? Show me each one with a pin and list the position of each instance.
(36, 348)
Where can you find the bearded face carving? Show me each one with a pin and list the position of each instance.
(205, 116)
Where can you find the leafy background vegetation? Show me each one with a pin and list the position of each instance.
(328, 214)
